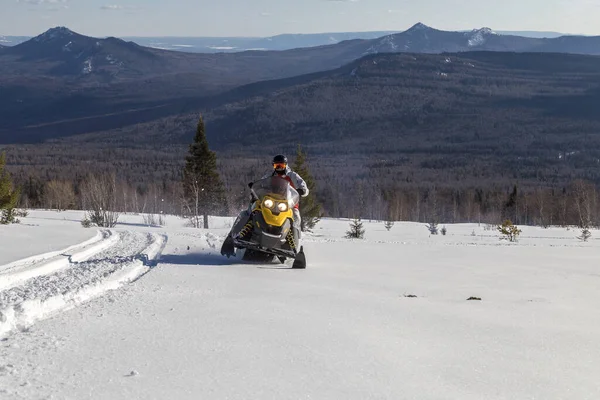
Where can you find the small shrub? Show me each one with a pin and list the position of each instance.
(585, 235)
(357, 230)
(9, 216)
(473, 233)
(509, 231)
(432, 227)
(389, 225)
(86, 223)
(444, 231)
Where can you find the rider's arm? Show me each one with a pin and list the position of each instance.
(299, 183)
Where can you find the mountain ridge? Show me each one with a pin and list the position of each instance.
(61, 75)
(285, 41)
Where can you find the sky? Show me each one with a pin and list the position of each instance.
(270, 17)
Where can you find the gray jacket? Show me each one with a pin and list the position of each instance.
(295, 179)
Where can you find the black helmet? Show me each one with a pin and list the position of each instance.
(280, 163)
(280, 158)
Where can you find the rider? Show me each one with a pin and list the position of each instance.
(281, 168)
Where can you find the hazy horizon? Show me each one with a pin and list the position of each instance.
(284, 33)
(262, 18)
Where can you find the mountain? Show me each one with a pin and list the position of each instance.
(426, 99)
(447, 120)
(424, 39)
(60, 52)
(61, 75)
(63, 83)
(68, 53)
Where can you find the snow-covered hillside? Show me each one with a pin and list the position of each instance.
(386, 317)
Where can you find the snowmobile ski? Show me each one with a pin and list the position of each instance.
(300, 260)
(228, 247)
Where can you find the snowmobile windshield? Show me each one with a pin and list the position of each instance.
(278, 188)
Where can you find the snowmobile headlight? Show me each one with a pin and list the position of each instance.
(268, 203)
(282, 207)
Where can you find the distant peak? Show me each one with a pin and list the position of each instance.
(419, 26)
(62, 29)
(55, 33)
(59, 30)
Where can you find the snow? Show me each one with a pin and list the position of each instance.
(112, 60)
(87, 66)
(198, 325)
(47, 263)
(41, 232)
(478, 37)
(385, 44)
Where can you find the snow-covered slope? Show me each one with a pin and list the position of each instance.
(39, 234)
(386, 317)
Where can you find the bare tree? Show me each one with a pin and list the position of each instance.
(192, 205)
(99, 197)
(540, 199)
(59, 195)
(585, 194)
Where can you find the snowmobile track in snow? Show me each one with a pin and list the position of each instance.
(44, 264)
(37, 287)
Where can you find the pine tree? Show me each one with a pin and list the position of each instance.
(9, 196)
(357, 230)
(509, 231)
(310, 209)
(202, 187)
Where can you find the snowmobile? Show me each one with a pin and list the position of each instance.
(266, 230)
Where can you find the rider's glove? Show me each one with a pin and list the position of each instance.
(301, 192)
(250, 185)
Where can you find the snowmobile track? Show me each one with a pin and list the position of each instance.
(77, 278)
(44, 264)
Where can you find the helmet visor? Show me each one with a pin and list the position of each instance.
(279, 166)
